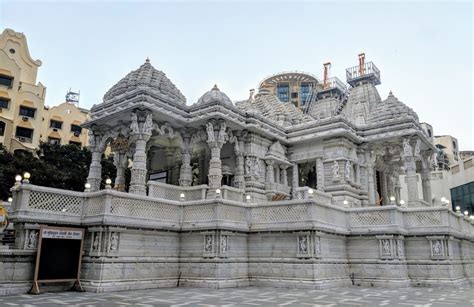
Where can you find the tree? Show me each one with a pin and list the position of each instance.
(57, 166)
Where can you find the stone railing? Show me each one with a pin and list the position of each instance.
(232, 193)
(109, 207)
(50, 205)
(305, 193)
(173, 192)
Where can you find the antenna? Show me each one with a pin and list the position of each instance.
(73, 97)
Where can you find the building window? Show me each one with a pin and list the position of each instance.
(294, 95)
(79, 144)
(305, 90)
(54, 141)
(4, 102)
(463, 196)
(24, 134)
(28, 112)
(2, 128)
(6, 80)
(454, 144)
(283, 92)
(76, 129)
(55, 124)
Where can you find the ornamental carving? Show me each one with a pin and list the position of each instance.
(114, 241)
(335, 171)
(32, 239)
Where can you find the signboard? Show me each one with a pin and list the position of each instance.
(59, 256)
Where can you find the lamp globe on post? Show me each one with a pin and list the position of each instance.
(458, 209)
(345, 203)
(310, 193)
(108, 183)
(218, 193)
(466, 213)
(392, 200)
(402, 203)
(182, 197)
(10, 199)
(87, 187)
(26, 177)
(247, 199)
(18, 179)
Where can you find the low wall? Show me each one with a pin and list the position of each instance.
(224, 243)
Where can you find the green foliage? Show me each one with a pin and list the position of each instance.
(56, 166)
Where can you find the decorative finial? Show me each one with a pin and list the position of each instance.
(390, 94)
(147, 60)
(215, 87)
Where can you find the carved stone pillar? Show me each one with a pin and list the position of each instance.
(320, 174)
(269, 175)
(357, 174)
(120, 163)
(426, 177)
(215, 142)
(97, 143)
(371, 180)
(276, 176)
(283, 175)
(410, 172)
(239, 179)
(185, 172)
(95, 170)
(294, 184)
(141, 133)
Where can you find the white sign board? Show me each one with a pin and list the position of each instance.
(51, 233)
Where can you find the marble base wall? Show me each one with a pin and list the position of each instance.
(119, 258)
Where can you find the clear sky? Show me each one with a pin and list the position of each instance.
(423, 49)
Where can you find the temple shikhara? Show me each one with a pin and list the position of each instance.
(298, 185)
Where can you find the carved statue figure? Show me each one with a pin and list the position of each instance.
(224, 243)
(335, 170)
(303, 248)
(208, 245)
(407, 148)
(114, 241)
(437, 248)
(148, 125)
(385, 247)
(222, 134)
(347, 173)
(417, 148)
(32, 239)
(95, 245)
(210, 132)
(248, 165)
(134, 124)
(91, 139)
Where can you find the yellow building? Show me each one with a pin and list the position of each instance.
(21, 98)
(62, 125)
(24, 119)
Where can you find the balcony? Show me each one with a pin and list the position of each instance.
(333, 84)
(366, 72)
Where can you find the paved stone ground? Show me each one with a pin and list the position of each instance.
(252, 296)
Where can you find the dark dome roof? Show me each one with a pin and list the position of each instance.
(149, 78)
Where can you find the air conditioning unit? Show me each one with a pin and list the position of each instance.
(25, 118)
(77, 133)
(22, 139)
(55, 129)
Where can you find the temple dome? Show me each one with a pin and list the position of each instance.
(270, 107)
(214, 95)
(392, 108)
(148, 78)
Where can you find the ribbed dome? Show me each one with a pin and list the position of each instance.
(391, 108)
(269, 106)
(149, 78)
(214, 95)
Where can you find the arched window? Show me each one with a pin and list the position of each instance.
(429, 133)
(2, 128)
